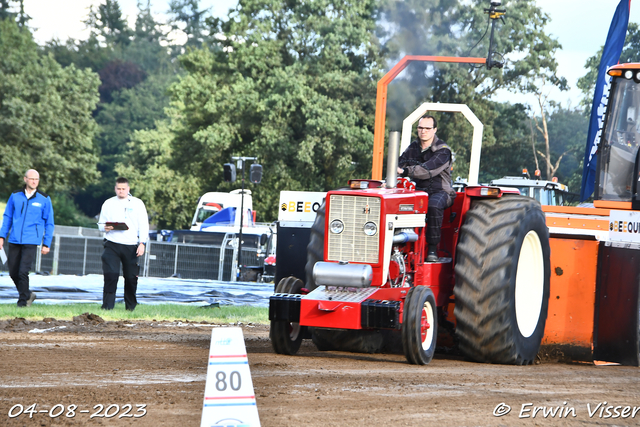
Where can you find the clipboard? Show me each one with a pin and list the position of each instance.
(117, 225)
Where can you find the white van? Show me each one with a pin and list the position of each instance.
(214, 202)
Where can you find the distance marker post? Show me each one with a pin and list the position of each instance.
(229, 399)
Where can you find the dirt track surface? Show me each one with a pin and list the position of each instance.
(163, 366)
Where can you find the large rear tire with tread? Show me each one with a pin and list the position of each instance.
(502, 280)
(315, 248)
(285, 336)
(419, 325)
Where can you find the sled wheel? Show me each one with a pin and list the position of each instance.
(502, 280)
(419, 325)
(285, 336)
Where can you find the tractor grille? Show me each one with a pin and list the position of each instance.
(352, 244)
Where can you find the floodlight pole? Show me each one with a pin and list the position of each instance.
(238, 259)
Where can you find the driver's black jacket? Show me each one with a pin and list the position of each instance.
(431, 168)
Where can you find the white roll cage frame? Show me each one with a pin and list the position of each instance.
(476, 141)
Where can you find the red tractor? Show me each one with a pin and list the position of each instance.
(368, 287)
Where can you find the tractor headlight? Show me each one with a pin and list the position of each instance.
(336, 226)
(628, 74)
(370, 229)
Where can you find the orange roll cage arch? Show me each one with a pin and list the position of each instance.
(381, 101)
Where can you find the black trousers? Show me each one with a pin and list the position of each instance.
(20, 260)
(115, 254)
(438, 202)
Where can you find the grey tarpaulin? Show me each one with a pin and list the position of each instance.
(151, 290)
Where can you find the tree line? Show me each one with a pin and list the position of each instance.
(293, 83)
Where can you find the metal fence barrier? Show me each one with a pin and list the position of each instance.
(77, 253)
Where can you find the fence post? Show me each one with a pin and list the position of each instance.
(234, 260)
(38, 258)
(56, 255)
(84, 258)
(223, 251)
(175, 263)
(145, 265)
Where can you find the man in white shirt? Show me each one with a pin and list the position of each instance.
(122, 246)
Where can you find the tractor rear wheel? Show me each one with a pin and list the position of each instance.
(315, 248)
(502, 280)
(285, 336)
(419, 325)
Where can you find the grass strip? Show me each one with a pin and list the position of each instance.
(226, 314)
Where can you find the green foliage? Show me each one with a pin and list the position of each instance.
(107, 23)
(169, 195)
(80, 53)
(630, 53)
(135, 71)
(156, 312)
(291, 83)
(190, 20)
(7, 12)
(131, 110)
(45, 116)
(456, 28)
(512, 150)
(66, 212)
(294, 83)
(568, 134)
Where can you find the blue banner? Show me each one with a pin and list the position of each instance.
(610, 56)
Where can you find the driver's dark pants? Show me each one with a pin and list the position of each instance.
(20, 260)
(438, 202)
(115, 254)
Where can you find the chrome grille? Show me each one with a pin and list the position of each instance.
(352, 244)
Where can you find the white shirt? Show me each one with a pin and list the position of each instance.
(130, 211)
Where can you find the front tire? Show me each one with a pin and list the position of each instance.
(502, 280)
(286, 337)
(419, 325)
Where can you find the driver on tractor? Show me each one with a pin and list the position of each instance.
(428, 162)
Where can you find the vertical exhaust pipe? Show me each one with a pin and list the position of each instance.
(392, 159)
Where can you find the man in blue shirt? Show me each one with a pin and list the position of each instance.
(29, 218)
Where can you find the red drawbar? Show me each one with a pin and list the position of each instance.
(329, 305)
(343, 310)
(344, 315)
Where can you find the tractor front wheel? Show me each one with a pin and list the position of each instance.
(285, 336)
(502, 280)
(419, 325)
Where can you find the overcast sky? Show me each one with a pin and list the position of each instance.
(581, 26)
